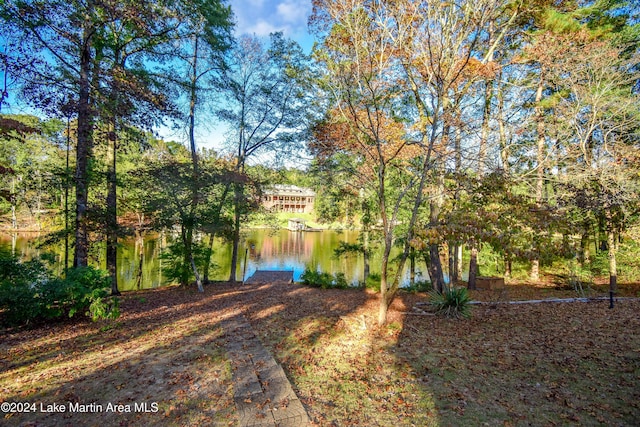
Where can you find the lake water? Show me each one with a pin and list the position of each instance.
(265, 250)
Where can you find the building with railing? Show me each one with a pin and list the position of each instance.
(289, 198)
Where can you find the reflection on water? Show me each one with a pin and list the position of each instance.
(140, 265)
(286, 250)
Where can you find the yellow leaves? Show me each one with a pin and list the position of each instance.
(417, 244)
(371, 135)
(426, 238)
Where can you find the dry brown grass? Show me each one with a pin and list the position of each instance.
(545, 364)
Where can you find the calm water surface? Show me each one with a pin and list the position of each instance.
(264, 249)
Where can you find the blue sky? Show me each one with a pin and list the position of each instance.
(261, 17)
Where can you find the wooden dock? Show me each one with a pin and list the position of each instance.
(270, 276)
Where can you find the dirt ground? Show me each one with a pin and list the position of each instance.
(163, 361)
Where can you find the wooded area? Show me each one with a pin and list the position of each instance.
(439, 125)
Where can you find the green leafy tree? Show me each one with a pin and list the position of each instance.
(30, 150)
(600, 133)
(205, 33)
(265, 106)
(169, 201)
(396, 71)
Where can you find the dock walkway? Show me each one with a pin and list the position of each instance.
(270, 276)
(262, 392)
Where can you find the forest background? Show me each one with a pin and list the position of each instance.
(448, 126)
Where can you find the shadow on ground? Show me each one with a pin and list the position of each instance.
(162, 363)
(527, 365)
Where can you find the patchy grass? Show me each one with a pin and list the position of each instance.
(545, 364)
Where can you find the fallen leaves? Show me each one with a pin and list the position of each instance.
(552, 364)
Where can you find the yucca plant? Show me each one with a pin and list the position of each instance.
(452, 302)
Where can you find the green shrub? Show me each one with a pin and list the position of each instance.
(419, 286)
(20, 284)
(340, 281)
(177, 270)
(317, 279)
(452, 302)
(373, 282)
(28, 293)
(87, 290)
(323, 280)
(628, 260)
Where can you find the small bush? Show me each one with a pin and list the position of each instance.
(177, 270)
(452, 302)
(28, 293)
(323, 280)
(419, 286)
(340, 281)
(373, 282)
(21, 293)
(313, 278)
(88, 290)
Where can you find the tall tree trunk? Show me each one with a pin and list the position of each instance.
(455, 263)
(502, 133)
(613, 267)
(4, 91)
(386, 292)
(195, 194)
(473, 265)
(585, 256)
(486, 110)
(112, 211)
(366, 222)
(507, 264)
(484, 132)
(207, 265)
(140, 253)
(458, 262)
(435, 265)
(365, 256)
(14, 201)
(602, 236)
(457, 258)
(83, 149)
(112, 215)
(435, 206)
(451, 249)
(435, 268)
(386, 295)
(236, 232)
(412, 267)
(484, 135)
(186, 261)
(66, 199)
(504, 158)
(540, 160)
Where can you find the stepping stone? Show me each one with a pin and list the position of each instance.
(293, 415)
(262, 393)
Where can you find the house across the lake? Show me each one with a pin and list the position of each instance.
(289, 198)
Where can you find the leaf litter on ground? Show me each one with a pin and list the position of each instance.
(545, 364)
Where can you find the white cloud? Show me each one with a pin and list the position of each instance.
(262, 17)
(293, 11)
(263, 28)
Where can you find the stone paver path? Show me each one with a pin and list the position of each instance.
(262, 392)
